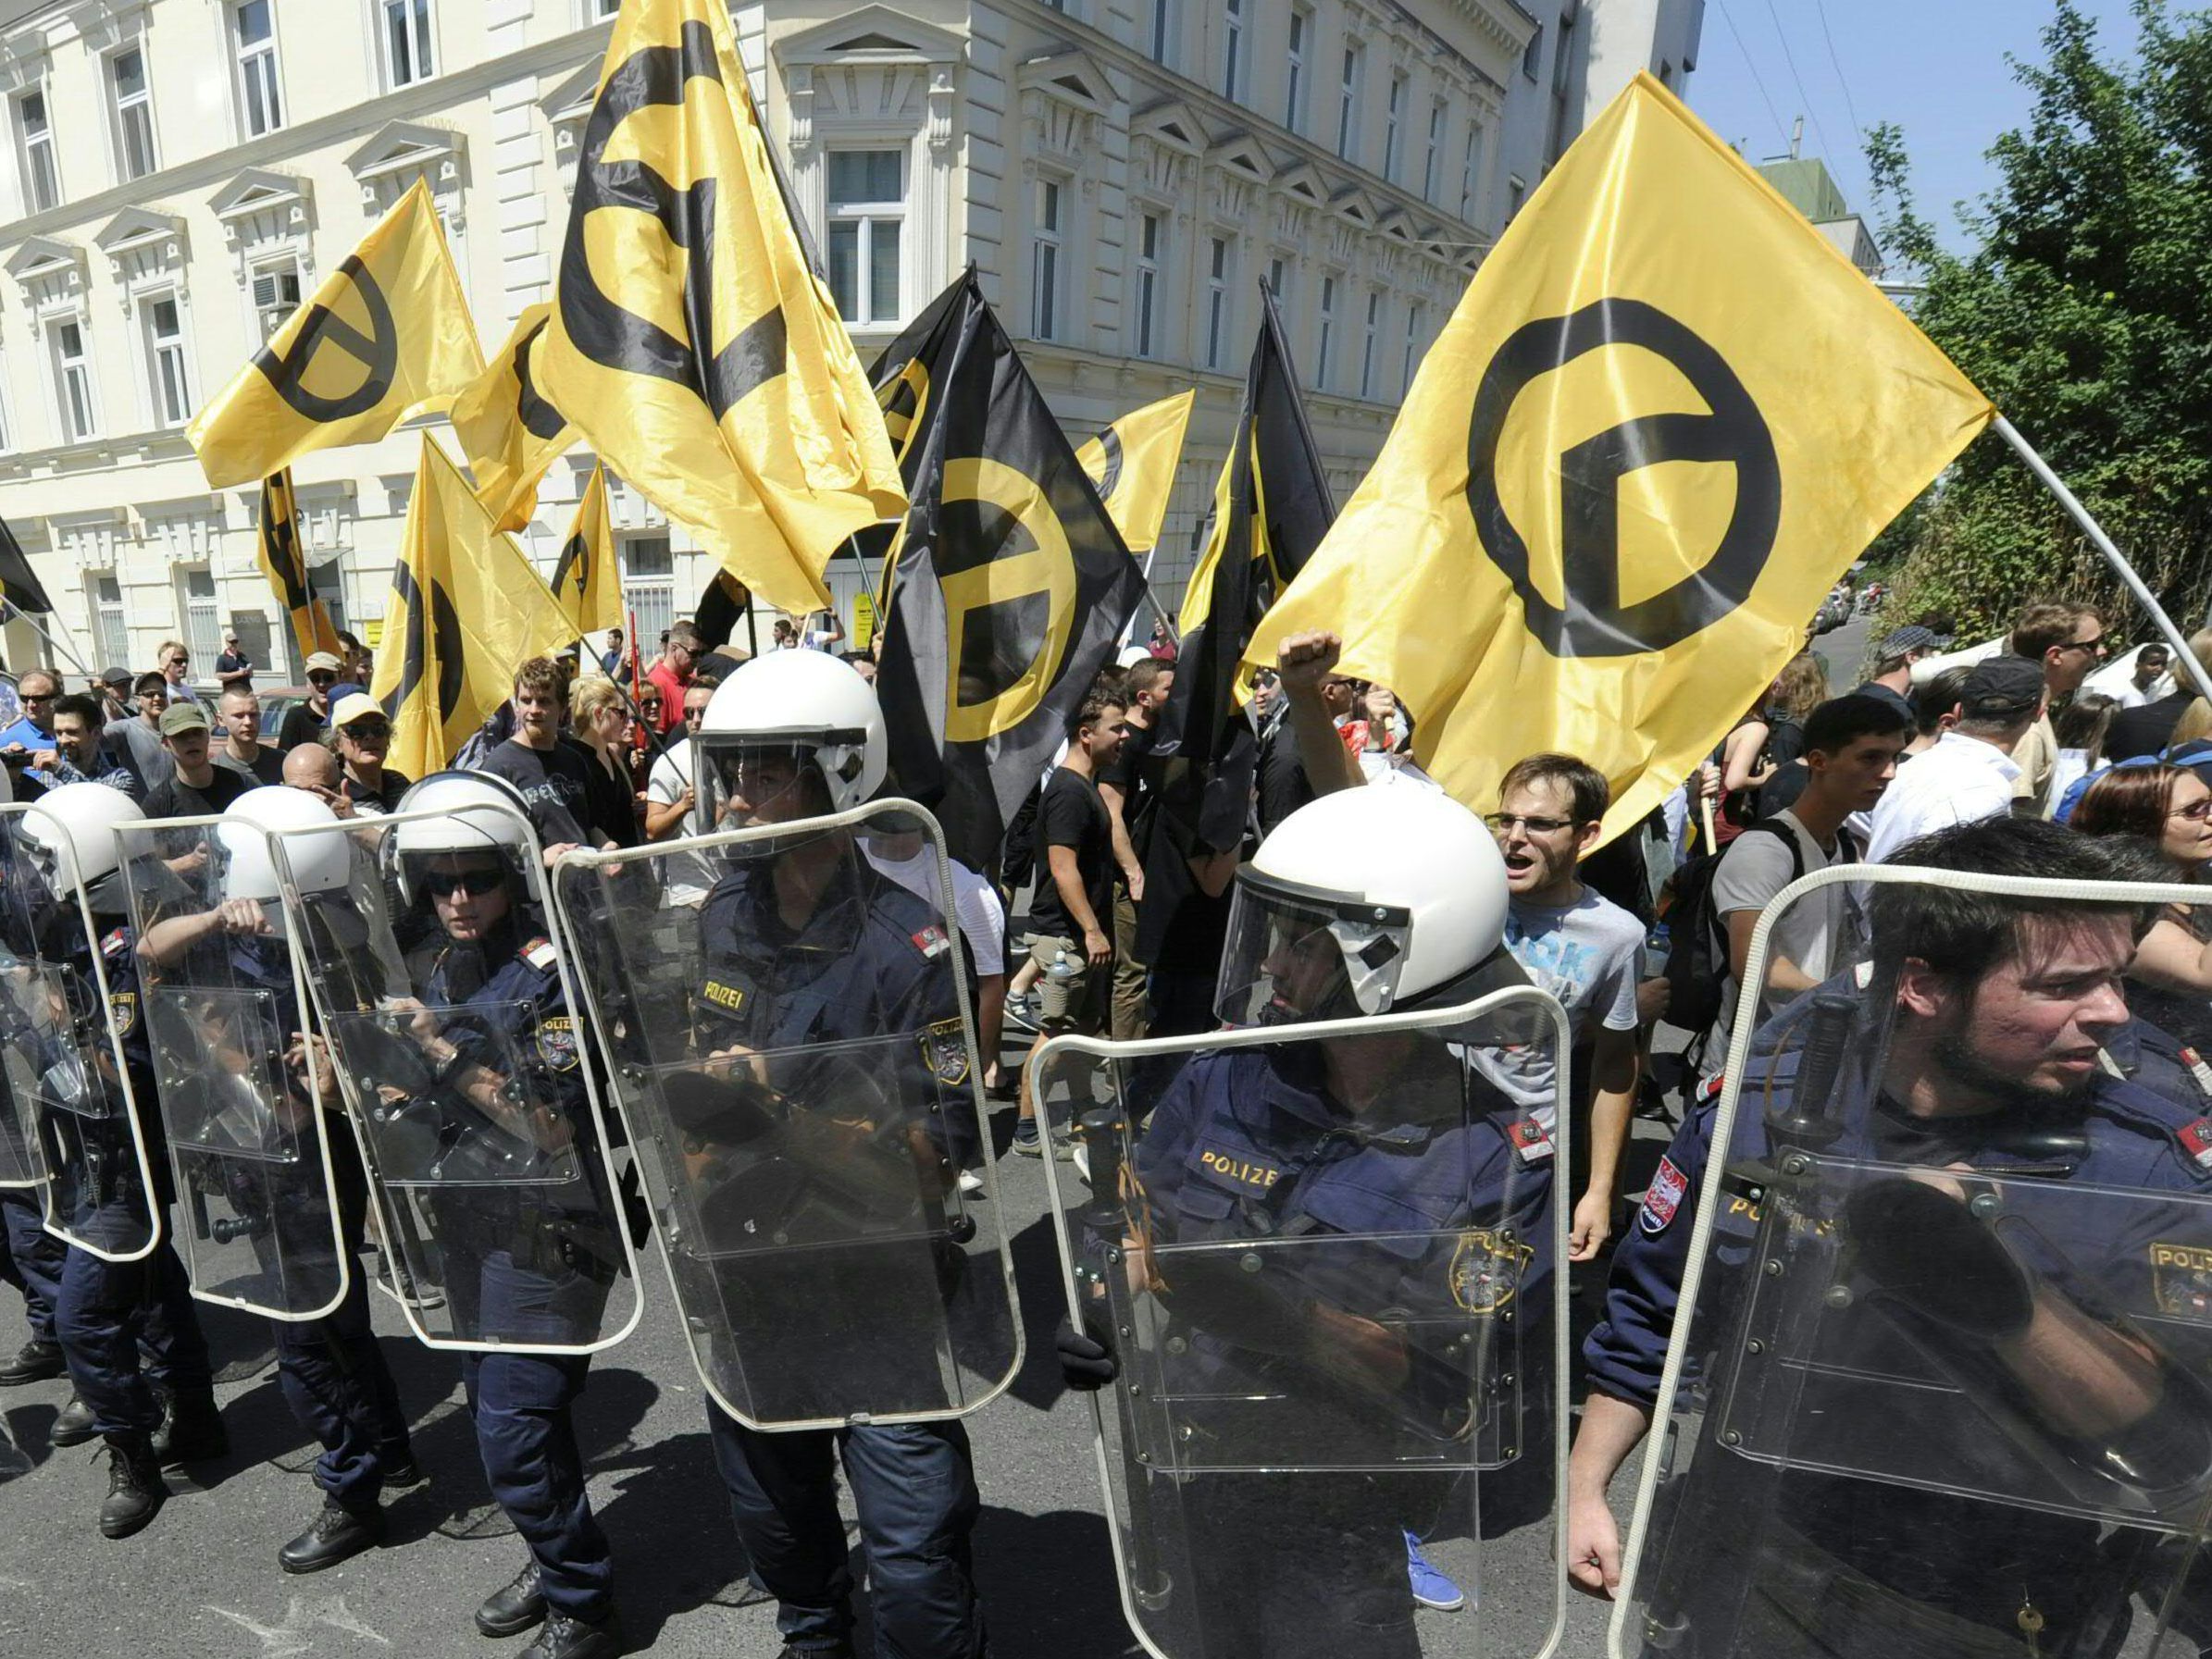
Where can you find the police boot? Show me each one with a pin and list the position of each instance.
(337, 1534)
(566, 1638)
(135, 1489)
(35, 1361)
(515, 1608)
(192, 1431)
(839, 1651)
(72, 1425)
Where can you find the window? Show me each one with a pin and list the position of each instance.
(165, 362)
(134, 113)
(867, 212)
(1534, 57)
(1163, 31)
(1278, 282)
(35, 135)
(1294, 83)
(259, 101)
(1415, 321)
(407, 56)
(72, 380)
(1393, 127)
(605, 9)
(275, 297)
(1432, 169)
(1232, 59)
(649, 587)
(108, 626)
(1148, 281)
(203, 627)
(1348, 101)
(1217, 300)
(1563, 62)
(1515, 189)
(1328, 328)
(1044, 266)
(1368, 343)
(1471, 172)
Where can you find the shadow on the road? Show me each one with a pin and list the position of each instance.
(1048, 1587)
(1043, 1293)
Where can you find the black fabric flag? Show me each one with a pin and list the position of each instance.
(1271, 509)
(1010, 586)
(18, 586)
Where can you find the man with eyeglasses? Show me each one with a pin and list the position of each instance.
(33, 732)
(303, 722)
(671, 794)
(1586, 951)
(679, 655)
(139, 737)
(174, 659)
(363, 733)
(2065, 642)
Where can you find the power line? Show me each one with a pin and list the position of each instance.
(1843, 80)
(1781, 132)
(1812, 115)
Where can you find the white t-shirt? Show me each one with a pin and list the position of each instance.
(1589, 955)
(975, 904)
(1818, 933)
(689, 878)
(1960, 780)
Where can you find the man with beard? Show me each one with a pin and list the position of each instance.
(1989, 1327)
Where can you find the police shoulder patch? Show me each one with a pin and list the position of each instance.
(1485, 1269)
(539, 953)
(945, 1052)
(122, 1007)
(931, 942)
(1530, 1140)
(115, 942)
(558, 1043)
(2182, 1280)
(1663, 1197)
(2196, 1140)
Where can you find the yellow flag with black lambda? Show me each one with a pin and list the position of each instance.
(1665, 417)
(691, 342)
(586, 583)
(277, 549)
(507, 430)
(1132, 463)
(386, 338)
(467, 609)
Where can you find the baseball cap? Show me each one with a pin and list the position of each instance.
(1910, 638)
(115, 676)
(353, 706)
(182, 717)
(346, 688)
(324, 661)
(2003, 688)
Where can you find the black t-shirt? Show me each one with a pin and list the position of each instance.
(268, 766)
(1070, 814)
(553, 783)
(230, 662)
(173, 798)
(614, 804)
(301, 725)
(1129, 774)
(2146, 730)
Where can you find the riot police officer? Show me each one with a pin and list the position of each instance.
(1944, 1337)
(1324, 1250)
(216, 956)
(103, 1143)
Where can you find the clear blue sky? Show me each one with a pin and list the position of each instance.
(1937, 67)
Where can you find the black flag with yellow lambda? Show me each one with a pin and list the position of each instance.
(1010, 586)
(587, 584)
(19, 587)
(507, 430)
(277, 549)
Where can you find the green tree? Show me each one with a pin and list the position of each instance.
(2082, 311)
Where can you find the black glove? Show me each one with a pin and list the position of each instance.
(1085, 1361)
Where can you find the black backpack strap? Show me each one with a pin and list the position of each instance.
(1774, 827)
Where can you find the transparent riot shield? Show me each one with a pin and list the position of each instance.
(73, 1036)
(803, 1094)
(1937, 1382)
(239, 1076)
(1328, 1260)
(449, 1009)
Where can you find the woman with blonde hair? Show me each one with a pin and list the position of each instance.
(598, 725)
(1769, 739)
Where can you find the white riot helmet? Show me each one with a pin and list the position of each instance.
(477, 812)
(1364, 902)
(69, 834)
(805, 704)
(319, 863)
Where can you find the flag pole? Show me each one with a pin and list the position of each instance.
(10, 609)
(2051, 481)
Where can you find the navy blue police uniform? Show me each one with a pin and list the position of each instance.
(866, 965)
(1795, 1562)
(537, 1277)
(1247, 1143)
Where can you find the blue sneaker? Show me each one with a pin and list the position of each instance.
(1431, 1588)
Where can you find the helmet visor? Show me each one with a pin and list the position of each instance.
(1296, 954)
(749, 778)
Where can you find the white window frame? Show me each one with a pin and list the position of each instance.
(259, 69)
(1416, 314)
(168, 360)
(1367, 345)
(1298, 43)
(1394, 125)
(111, 618)
(1151, 247)
(649, 594)
(1047, 246)
(269, 317)
(135, 111)
(420, 19)
(1221, 269)
(31, 151)
(1324, 340)
(1348, 100)
(76, 391)
(1233, 46)
(1432, 167)
(868, 215)
(200, 616)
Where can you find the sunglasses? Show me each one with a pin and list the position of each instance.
(441, 883)
(322, 676)
(360, 729)
(39, 696)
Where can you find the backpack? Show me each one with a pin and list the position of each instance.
(1698, 979)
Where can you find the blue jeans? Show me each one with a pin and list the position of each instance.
(914, 1486)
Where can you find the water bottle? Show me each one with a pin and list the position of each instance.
(1062, 968)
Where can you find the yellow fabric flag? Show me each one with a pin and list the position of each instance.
(1665, 417)
(587, 582)
(691, 341)
(1133, 463)
(386, 338)
(507, 430)
(277, 549)
(466, 609)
